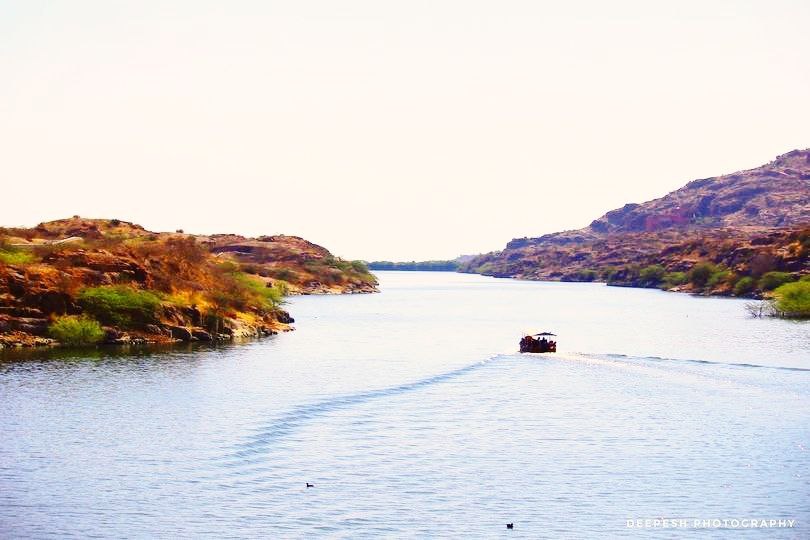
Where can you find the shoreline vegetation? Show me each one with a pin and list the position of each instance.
(79, 282)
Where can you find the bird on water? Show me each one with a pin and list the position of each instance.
(310, 485)
(510, 525)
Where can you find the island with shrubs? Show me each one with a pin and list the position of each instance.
(83, 281)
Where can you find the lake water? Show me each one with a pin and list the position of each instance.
(413, 416)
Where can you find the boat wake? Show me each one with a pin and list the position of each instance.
(619, 356)
(291, 420)
(287, 422)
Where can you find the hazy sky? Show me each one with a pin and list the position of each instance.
(382, 129)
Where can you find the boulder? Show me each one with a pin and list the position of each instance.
(181, 332)
(200, 334)
(111, 335)
(30, 325)
(284, 317)
(153, 329)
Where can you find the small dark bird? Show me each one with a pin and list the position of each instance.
(310, 485)
(510, 525)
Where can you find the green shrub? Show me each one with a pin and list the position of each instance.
(583, 274)
(652, 275)
(284, 273)
(120, 305)
(587, 274)
(772, 280)
(700, 274)
(76, 330)
(744, 286)
(360, 267)
(720, 277)
(486, 269)
(17, 257)
(673, 279)
(793, 299)
(268, 297)
(227, 267)
(368, 278)
(805, 278)
(609, 273)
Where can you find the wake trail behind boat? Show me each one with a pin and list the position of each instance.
(620, 357)
(291, 420)
(255, 446)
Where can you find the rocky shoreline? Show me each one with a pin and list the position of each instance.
(13, 338)
(107, 282)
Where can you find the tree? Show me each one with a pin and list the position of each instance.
(771, 280)
(700, 274)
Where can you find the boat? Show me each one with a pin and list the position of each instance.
(538, 343)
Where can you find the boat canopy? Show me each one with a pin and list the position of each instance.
(545, 334)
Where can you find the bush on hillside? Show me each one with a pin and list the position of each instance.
(700, 274)
(360, 267)
(772, 280)
(793, 299)
(76, 330)
(744, 286)
(16, 257)
(586, 274)
(120, 305)
(268, 297)
(673, 279)
(285, 274)
(720, 277)
(652, 275)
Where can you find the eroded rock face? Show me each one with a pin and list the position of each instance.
(774, 195)
(751, 221)
(304, 267)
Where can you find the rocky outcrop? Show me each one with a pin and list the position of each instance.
(170, 286)
(304, 267)
(748, 223)
(773, 195)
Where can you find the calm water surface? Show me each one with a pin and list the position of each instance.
(413, 416)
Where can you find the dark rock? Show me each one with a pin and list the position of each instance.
(111, 335)
(182, 333)
(30, 325)
(50, 301)
(284, 317)
(201, 334)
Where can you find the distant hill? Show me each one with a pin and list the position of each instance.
(421, 266)
(745, 224)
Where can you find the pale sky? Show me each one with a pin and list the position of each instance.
(388, 130)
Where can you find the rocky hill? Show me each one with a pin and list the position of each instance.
(97, 280)
(744, 225)
(773, 195)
